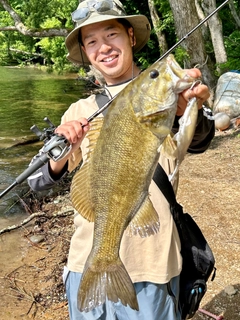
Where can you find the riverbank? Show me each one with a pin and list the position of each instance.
(31, 282)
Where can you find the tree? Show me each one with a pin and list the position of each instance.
(185, 19)
(215, 27)
(23, 29)
(34, 30)
(158, 23)
(234, 13)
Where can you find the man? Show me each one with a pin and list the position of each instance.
(106, 38)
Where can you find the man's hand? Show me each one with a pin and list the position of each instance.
(200, 91)
(74, 131)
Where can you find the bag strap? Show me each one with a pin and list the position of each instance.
(161, 179)
(102, 99)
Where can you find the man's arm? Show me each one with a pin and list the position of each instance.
(42, 178)
(52, 172)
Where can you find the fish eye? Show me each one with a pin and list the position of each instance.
(154, 74)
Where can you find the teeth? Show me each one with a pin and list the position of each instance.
(108, 59)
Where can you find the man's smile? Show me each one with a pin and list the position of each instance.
(109, 59)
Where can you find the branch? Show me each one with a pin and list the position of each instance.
(36, 215)
(30, 54)
(9, 28)
(19, 26)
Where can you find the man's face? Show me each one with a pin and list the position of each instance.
(109, 49)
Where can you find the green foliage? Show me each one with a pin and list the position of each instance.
(36, 15)
(181, 55)
(150, 52)
(166, 22)
(232, 45)
(82, 72)
(228, 22)
(16, 48)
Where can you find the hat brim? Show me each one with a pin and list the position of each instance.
(140, 25)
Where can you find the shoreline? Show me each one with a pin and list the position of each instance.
(209, 188)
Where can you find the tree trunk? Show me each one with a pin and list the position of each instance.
(156, 23)
(204, 27)
(185, 19)
(234, 13)
(215, 27)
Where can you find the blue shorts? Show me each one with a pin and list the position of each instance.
(156, 302)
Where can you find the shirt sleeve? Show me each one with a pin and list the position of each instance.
(41, 179)
(204, 133)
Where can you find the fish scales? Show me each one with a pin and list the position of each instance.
(111, 188)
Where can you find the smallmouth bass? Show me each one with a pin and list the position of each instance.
(111, 188)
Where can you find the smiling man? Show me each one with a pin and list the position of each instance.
(108, 46)
(107, 38)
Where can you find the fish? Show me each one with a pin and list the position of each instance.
(111, 189)
(176, 146)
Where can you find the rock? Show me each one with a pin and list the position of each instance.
(37, 238)
(222, 121)
(236, 123)
(227, 95)
(230, 290)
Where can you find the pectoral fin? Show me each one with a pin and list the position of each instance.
(146, 221)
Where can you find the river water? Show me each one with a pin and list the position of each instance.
(27, 95)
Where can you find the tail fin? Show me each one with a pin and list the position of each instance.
(113, 283)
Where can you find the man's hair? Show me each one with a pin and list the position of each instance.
(127, 25)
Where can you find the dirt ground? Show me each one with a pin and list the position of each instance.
(31, 285)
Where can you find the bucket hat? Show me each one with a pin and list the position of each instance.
(92, 11)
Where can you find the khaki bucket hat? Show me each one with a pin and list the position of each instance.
(92, 11)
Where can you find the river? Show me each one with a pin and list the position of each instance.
(27, 95)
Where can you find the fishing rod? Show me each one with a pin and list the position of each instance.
(57, 147)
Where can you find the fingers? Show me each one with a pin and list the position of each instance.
(200, 91)
(74, 131)
(194, 72)
(182, 103)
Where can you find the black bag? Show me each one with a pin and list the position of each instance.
(198, 259)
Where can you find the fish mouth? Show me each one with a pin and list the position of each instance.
(152, 117)
(159, 123)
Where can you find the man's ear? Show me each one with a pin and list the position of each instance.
(83, 49)
(132, 37)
